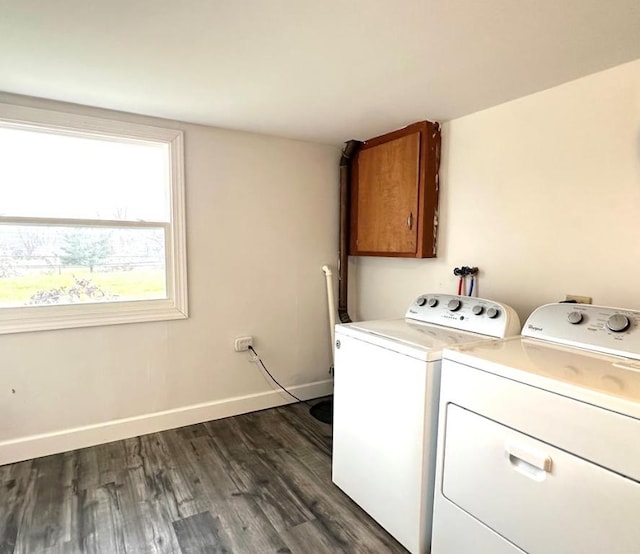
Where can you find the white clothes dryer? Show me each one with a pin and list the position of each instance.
(539, 438)
(386, 388)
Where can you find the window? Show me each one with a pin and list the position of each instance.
(92, 227)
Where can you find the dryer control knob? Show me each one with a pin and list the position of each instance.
(432, 302)
(493, 312)
(454, 304)
(421, 301)
(477, 309)
(574, 317)
(618, 323)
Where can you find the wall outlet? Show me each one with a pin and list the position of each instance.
(242, 344)
(579, 299)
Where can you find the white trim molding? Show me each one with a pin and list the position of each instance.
(34, 446)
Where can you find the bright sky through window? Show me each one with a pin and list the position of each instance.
(52, 175)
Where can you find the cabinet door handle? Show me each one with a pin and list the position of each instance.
(410, 221)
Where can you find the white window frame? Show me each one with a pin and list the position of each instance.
(175, 306)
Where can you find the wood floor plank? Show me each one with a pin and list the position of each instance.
(271, 492)
(50, 488)
(100, 522)
(307, 431)
(344, 521)
(248, 529)
(311, 536)
(229, 436)
(255, 483)
(87, 473)
(14, 487)
(201, 534)
(148, 505)
(69, 498)
(26, 510)
(109, 461)
(236, 506)
(186, 476)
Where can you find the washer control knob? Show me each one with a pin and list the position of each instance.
(477, 309)
(454, 304)
(574, 317)
(421, 301)
(493, 312)
(432, 302)
(618, 323)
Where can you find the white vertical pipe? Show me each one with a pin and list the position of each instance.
(331, 304)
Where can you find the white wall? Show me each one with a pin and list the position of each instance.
(261, 221)
(542, 194)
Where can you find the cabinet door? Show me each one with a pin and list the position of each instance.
(394, 194)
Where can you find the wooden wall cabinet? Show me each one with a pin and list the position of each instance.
(394, 194)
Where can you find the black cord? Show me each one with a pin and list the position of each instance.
(274, 379)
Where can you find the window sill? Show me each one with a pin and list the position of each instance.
(43, 318)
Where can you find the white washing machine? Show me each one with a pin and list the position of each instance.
(539, 438)
(386, 388)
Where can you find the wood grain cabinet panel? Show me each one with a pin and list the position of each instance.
(394, 195)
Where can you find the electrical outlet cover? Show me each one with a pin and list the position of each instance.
(579, 299)
(242, 344)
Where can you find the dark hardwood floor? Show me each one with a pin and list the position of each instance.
(254, 483)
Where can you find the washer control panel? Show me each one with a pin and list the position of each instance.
(476, 315)
(599, 328)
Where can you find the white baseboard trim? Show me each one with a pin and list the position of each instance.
(34, 446)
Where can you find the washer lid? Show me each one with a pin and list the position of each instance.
(419, 340)
(612, 382)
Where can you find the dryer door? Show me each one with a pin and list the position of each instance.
(539, 497)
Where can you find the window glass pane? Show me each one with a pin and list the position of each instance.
(45, 174)
(44, 265)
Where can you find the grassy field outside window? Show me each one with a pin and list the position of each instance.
(135, 284)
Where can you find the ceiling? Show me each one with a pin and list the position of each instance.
(318, 70)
